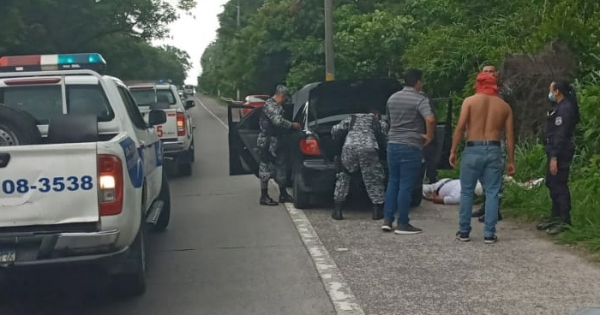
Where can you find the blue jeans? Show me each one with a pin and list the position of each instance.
(484, 163)
(404, 165)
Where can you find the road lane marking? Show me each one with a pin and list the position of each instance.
(340, 294)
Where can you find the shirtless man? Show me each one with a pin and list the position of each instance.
(484, 116)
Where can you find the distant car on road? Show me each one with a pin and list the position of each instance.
(318, 107)
(252, 102)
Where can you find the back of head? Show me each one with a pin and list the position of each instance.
(486, 84)
(412, 77)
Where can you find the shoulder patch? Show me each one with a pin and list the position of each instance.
(558, 121)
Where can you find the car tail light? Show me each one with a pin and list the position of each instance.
(180, 124)
(310, 146)
(110, 185)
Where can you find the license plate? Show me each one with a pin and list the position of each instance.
(7, 256)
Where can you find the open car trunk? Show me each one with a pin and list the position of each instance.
(331, 102)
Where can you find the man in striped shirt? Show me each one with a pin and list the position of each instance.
(412, 125)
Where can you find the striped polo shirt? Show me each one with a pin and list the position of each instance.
(406, 111)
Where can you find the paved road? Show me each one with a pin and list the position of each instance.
(222, 254)
(431, 273)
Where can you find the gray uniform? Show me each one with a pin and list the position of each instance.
(272, 160)
(360, 152)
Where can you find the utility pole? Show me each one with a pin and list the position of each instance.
(238, 26)
(329, 53)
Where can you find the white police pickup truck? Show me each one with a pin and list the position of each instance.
(81, 172)
(177, 133)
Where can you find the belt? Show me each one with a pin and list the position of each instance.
(437, 192)
(483, 143)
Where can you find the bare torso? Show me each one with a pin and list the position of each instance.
(486, 118)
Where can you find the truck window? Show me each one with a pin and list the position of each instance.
(132, 111)
(44, 102)
(148, 97)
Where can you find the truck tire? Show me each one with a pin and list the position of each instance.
(18, 127)
(165, 197)
(301, 198)
(134, 283)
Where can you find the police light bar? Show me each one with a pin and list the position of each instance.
(91, 61)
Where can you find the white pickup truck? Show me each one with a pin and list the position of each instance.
(176, 134)
(81, 171)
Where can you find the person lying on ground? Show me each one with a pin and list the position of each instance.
(446, 191)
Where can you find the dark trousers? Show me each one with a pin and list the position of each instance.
(558, 186)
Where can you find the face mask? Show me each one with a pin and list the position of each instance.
(551, 97)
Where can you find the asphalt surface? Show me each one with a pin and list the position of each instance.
(431, 273)
(222, 254)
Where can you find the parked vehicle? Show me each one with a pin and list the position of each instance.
(318, 107)
(252, 102)
(176, 134)
(82, 172)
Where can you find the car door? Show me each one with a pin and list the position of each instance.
(149, 146)
(443, 132)
(243, 133)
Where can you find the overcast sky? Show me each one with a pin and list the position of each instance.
(193, 34)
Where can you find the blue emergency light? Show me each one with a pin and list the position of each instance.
(91, 61)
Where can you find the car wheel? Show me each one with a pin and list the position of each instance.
(134, 283)
(185, 169)
(17, 127)
(165, 197)
(301, 198)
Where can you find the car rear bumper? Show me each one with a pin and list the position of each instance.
(316, 176)
(36, 250)
(171, 146)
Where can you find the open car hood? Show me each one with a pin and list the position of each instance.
(345, 97)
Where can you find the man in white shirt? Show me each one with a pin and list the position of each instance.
(446, 191)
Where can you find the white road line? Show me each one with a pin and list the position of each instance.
(339, 291)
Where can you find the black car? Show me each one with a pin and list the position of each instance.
(318, 107)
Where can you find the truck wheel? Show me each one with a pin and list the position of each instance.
(192, 152)
(185, 169)
(134, 283)
(17, 127)
(301, 198)
(165, 197)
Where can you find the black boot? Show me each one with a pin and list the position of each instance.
(265, 200)
(284, 196)
(337, 211)
(378, 212)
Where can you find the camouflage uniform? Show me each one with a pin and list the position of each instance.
(272, 160)
(360, 152)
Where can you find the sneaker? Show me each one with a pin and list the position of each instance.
(387, 226)
(547, 223)
(557, 229)
(402, 229)
(478, 213)
(490, 239)
(462, 236)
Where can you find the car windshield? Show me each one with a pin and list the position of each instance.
(148, 97)
(45, 101)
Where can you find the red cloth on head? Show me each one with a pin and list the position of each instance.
(486, 84)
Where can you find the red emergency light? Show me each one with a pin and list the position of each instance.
(91, 61)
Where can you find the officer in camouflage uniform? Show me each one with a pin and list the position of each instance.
(361, 152)
(272, 155)
(504, 92)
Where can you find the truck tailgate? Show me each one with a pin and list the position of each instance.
(48, 185)
(168, 130)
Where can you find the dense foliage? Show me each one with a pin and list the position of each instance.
(120, 30)
(533, 42)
